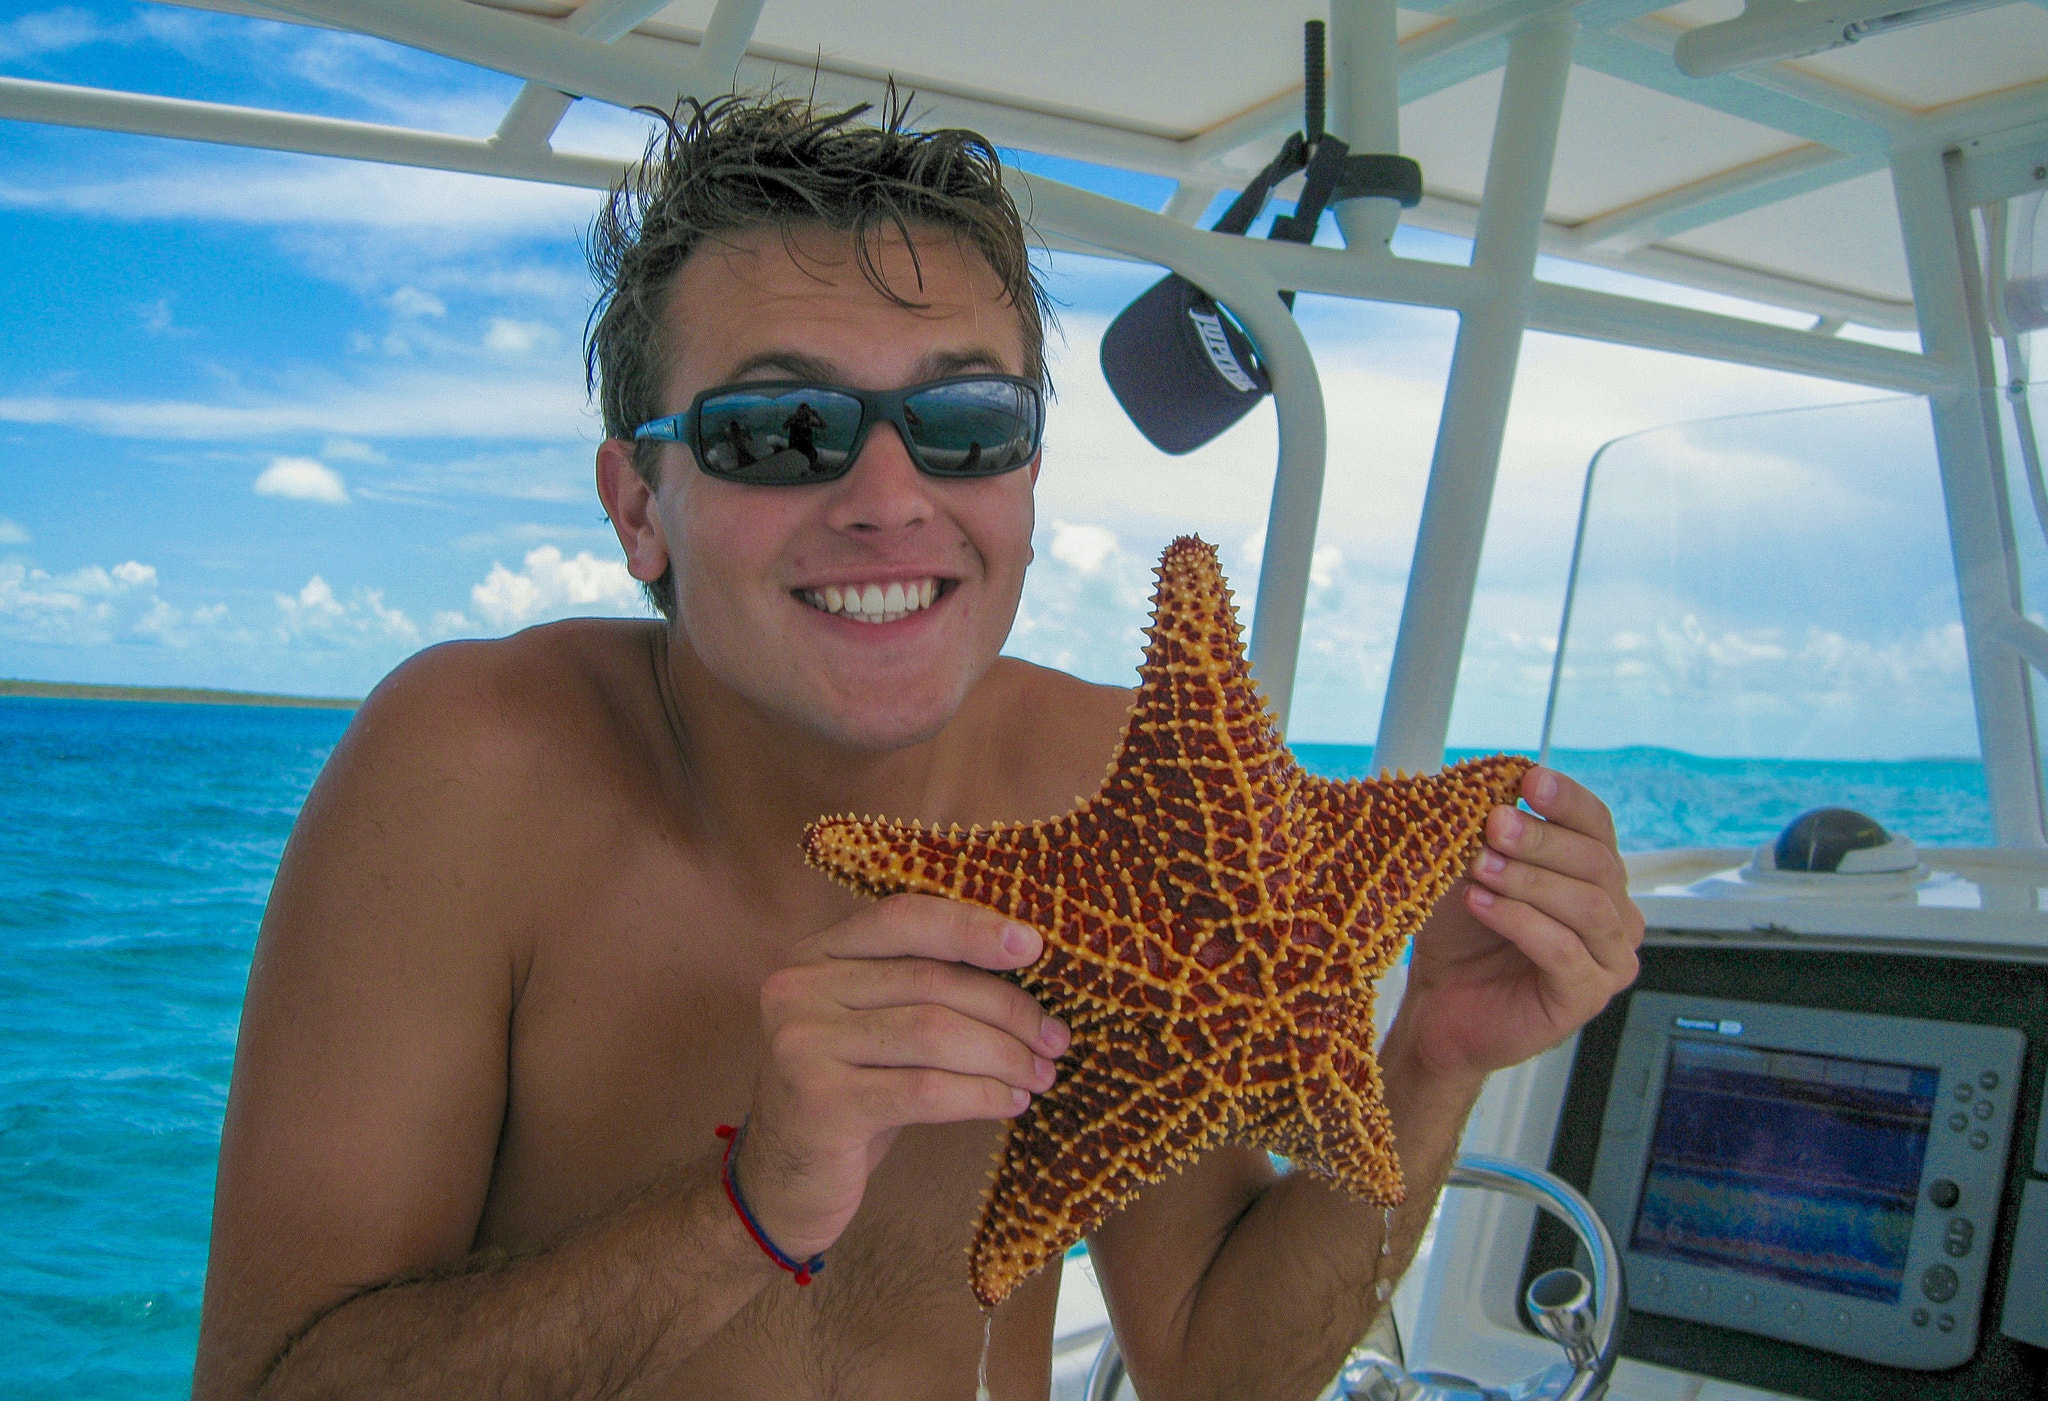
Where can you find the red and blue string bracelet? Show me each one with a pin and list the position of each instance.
(804, 1270)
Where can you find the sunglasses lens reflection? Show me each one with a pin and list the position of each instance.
(973, 428)
(778, 437)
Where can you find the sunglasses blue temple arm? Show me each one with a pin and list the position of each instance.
(669, 430)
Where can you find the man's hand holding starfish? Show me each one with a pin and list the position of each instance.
(1514, 962)
(886, 1019)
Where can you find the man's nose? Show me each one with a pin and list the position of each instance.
(884, 491)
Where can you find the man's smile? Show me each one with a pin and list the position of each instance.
(877, 601)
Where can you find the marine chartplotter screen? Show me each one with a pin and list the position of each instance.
(1788, 1165)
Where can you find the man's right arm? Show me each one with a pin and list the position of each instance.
(369, 1093)
(371, 1078)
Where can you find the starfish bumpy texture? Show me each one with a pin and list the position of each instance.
(1214, 921)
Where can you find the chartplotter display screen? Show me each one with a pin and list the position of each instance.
(1787, 1165)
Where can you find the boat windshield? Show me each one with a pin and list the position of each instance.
(1763, 618)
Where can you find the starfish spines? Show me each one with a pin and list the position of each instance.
(1214, 920)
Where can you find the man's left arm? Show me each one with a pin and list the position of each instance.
(1232, 1281)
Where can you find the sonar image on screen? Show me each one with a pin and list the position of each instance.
(1796, 1167)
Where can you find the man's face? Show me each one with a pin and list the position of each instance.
(751, 562)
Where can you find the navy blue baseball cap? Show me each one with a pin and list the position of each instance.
(1180, 366)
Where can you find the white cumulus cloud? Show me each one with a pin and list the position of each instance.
(317, 617)
(349, 450)
(12, 534)
(95, 606)
(302, 479)
(1085, 547)
(551, 585)
(511, 337)
(411, 301)
(48, 32)
(1323, 565)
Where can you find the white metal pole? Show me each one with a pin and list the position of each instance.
(1365, 107)
(1461, 476)
(1282, 603)
(531, 120)
(1221, 266)
(1941, 260)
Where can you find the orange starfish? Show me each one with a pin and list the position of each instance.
(1214, 921)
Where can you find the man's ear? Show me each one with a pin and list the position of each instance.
(629, 501)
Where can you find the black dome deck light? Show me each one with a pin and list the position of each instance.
(1179, 363)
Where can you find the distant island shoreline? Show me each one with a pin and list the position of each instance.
(167, 695)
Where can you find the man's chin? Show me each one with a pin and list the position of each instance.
(868, 733)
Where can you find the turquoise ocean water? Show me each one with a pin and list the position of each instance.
(137, 845)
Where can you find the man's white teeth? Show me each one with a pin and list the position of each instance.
(874, 603)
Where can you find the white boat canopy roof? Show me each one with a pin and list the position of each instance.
(1767, 182)
(1704, 144)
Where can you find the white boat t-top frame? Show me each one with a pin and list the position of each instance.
(1767, 182)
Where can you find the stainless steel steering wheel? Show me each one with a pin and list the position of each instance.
(1583, 1319)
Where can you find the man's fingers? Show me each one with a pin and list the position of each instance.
(1554, 847)
(1569, 804)
(925, 926)
(934, 1096)
(938, 1038)
(1581, 910)
(864, 985)
(1577, 983)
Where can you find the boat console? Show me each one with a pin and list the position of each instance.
(1815, 1131)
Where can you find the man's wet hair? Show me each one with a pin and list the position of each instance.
(737, 164)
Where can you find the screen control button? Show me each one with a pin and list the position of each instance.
(1989, 1079)
(1944, 1193)
(1946, 1323)
(1985, 1108)
(1939, 1283)
(1747, 1303)
(1842, 1320)
(1920, 1318)
(1702, 1293)
(1795, 1311)
(1963, 1090)
(1961, 1234)
(1658, 1283)
(1980, 1139)
(1959, 1121)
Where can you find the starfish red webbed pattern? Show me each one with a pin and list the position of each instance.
(1214, 918)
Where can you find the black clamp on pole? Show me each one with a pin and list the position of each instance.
(1178, 363)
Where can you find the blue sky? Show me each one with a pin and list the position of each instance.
(274, 422)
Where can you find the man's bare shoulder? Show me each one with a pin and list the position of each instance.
(512, 709)
(1057, 733)
(470, 750)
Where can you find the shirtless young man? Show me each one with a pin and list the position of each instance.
(544, 923)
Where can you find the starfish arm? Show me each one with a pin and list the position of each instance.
(1067, 878)
(1328, 1116)
(1394, 847)
(1087, 1145)
(888, 856)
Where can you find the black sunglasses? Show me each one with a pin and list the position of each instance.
(789, 432)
